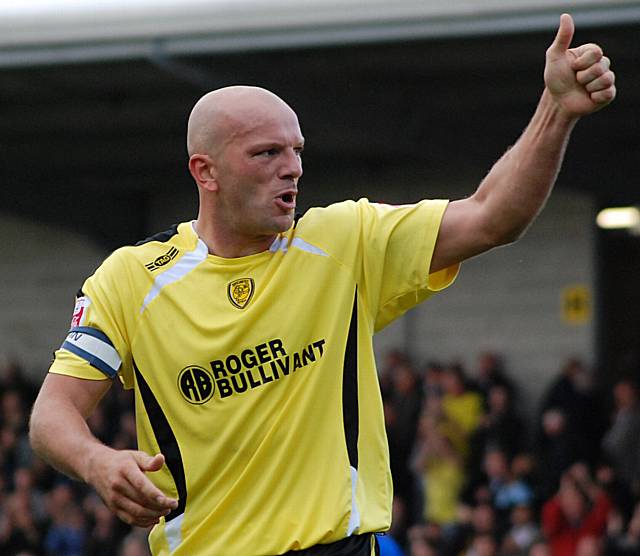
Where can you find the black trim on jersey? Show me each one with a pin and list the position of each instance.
(356, 545)
(166, 442)
(80, 293)
(297, 216)
(350, 387)
(161, 236)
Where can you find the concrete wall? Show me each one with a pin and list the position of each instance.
(41, 269)
(508, 300)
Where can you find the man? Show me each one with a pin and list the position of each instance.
(621, 441)
(247, 334)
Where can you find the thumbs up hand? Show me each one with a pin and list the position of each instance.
(579, 79)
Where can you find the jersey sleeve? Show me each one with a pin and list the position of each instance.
(399, 245)
(97, 346)
(388, 249)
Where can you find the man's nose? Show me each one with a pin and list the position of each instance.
(292, 167)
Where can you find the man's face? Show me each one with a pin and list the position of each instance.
(257, 170)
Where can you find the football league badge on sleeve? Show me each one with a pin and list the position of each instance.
(240, 292)
(80, 311)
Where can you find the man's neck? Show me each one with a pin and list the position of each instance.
(231, 246)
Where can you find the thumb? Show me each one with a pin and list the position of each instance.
(147, 462)
(564, 35)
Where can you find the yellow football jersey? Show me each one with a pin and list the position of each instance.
(255, 376)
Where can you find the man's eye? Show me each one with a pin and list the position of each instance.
(268, 152)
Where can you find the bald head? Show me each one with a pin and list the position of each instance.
(221, 114)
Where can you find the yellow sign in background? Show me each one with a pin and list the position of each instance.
(576, 304)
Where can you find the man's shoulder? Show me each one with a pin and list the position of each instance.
(151, 254)
(159, 237)
(343, 215)
(330, 228)
(346, 207)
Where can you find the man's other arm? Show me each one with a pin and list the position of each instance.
(60, 435)
(578, 81)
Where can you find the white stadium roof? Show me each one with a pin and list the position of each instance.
(52, 31)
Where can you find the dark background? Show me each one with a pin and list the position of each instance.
(90, 145)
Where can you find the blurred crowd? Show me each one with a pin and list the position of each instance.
(41, 511)
(472, 475)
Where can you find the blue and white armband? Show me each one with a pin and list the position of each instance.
(95, 348)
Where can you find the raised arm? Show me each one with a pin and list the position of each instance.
(578, 81)
(60, 435)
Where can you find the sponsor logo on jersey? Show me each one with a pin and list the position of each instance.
(240, 292)
(238, 373)
(196, 384)
(162, 260)
(80, 311)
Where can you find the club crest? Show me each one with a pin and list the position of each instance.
(240, 292)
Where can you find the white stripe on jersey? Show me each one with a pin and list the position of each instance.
(354, 518)
(173, 533)
(302, 244)
(279, 244)
(186, 264)
(282, 244)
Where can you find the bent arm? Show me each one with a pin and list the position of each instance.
(578, 81)
(58, 428)
(511, 195)
(60, 435)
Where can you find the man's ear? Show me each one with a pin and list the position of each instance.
(203, 171)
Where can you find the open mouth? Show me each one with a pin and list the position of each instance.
(286, 201)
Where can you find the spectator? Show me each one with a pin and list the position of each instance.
(105, 535)
(13, 427)
(522, 533)
(540, 548)
(421, 543)
(501, 426)
(572, 393)
(393, 359)
(621, 442)
(620, 494)
(483, 544)
(404, 402)
(621, 541)
(580, 509)
(18, 530)
(589, 546)
(507, 491)
(489, 373)
(389, 546)
(13, 378)
(432, 381)
(441, 469)
(556, 449)
(474, 521)
(135, 544)
(462, 409)
(33, 498)
(23, 531)
(67, 534)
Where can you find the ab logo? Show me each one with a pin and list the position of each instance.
(196, 384)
